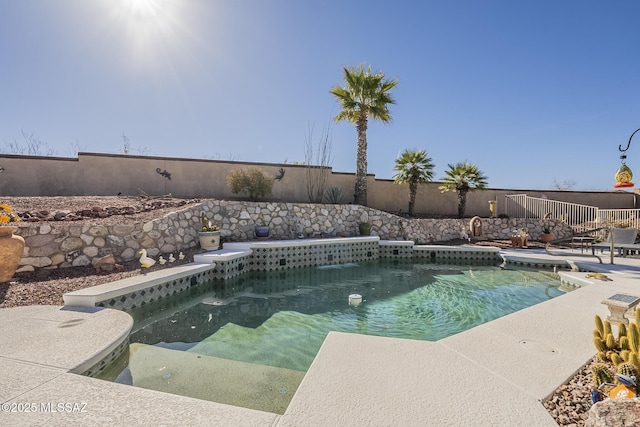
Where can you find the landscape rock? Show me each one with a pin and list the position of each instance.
(614, 412)
(106, 264)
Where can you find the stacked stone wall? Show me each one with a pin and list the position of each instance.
(63, 245)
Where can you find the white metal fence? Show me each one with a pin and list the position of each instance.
(579, 217)
(625, 218)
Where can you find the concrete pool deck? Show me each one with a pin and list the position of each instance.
(494, 374)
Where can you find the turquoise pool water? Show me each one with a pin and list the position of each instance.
(277, 321)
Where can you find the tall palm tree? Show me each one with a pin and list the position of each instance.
(413, 167)
(365, 94)
(463, 178)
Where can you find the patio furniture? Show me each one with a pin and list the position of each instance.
(582, 242)
(618, 305)
(624, 241)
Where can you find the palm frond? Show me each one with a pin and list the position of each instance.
(463, 176)
(413, 166)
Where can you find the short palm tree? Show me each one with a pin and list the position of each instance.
(413, 167)
(365, 94)
(463, 178)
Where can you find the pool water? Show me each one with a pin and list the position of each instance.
(271, 325)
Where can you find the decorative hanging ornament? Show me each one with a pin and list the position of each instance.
(623, 177)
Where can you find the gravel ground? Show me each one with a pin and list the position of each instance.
(568, 405)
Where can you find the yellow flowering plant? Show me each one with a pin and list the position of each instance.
(7, 215)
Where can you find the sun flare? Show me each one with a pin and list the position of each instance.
(149, 27)
(142, 8)
(151, 35)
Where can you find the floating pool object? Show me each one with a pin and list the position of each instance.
(355, 299)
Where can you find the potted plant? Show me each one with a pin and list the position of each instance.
(262, 231)
(209, 234)
(546, 235)
(11, 246)
(364, 228)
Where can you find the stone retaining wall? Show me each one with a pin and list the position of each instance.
(62, 245)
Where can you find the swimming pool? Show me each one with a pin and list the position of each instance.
(248, 341)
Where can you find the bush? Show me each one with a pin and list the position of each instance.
(251, 182)
(333, 195)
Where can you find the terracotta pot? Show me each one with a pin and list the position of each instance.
(11, 248)
(546, 237)
(209, 240)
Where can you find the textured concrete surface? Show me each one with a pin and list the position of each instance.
(494, 374)
(20, 377)
(42, 345)
(371, 381)
(88, 401)
(538, 348)
(61, 338)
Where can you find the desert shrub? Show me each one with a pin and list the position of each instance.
(333, 195)
(251, 182)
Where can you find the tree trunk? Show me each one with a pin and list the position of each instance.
(413, 189)
(360, 196)
(462, 202)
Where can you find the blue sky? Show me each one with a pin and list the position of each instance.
(534, 92)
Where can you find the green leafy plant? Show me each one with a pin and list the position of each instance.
(413, 167)
(251, 182)
(365, 95)
(333, 195)
(546, 228)
(463, 178)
